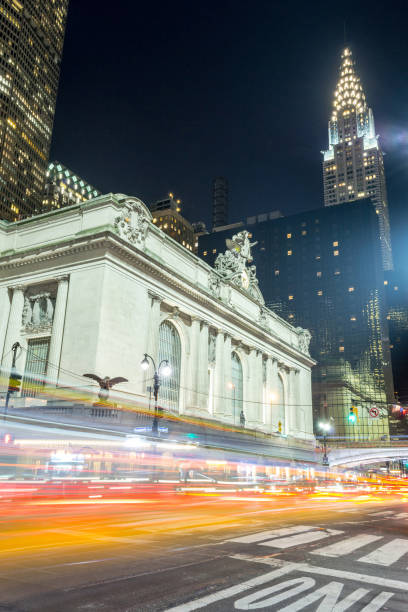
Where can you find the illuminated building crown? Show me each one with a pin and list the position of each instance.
(349, 94)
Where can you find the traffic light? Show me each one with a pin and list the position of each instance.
(14, 381)
(352, 417)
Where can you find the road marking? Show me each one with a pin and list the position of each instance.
(196, 604)
(387, 554)
(345, 547)
(326, 571)
(302, 538)
(378, 602)
(264, 535)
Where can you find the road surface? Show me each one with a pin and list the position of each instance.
(196, 551)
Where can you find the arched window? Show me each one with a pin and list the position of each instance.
(279, 416)
(237, 387)
(170, 348)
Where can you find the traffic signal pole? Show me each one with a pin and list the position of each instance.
(13, 377)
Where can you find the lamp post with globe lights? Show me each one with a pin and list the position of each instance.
(325, 428)
(164, 369)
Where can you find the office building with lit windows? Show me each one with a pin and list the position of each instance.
(353, 165)
(31, 42)
(322, 270)
(167, 216)
(64, 188)
(396, 288)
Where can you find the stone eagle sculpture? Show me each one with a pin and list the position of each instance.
(105, 384)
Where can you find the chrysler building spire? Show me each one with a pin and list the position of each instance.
(353, 164)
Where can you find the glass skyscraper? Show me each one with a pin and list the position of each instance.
(353, 165)
(64, 188)
(322, 270)
(31, 42)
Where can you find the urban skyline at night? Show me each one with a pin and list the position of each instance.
(262, 126)
(203, 306)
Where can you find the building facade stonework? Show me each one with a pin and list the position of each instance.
(93, 287)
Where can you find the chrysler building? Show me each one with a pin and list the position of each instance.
(353, 165)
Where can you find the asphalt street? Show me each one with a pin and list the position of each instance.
(211, 553)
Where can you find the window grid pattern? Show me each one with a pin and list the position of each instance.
(35, 367)
(170, 349)
(238, 386)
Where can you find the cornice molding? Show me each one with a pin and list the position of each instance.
(109, 241)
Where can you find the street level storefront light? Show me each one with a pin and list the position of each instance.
(324, 426)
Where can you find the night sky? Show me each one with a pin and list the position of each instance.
(163, 96)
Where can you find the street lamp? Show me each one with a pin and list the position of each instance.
(325, 428)
(164, 369)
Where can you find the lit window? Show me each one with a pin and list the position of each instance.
(288, 235)
(353, 319)
(289, 252)
(205, 253)
(335, 253)
(351, 289)
(320, 292)
(291, 297)
(385, 282)
(276, 272)
(341, 349)
(304, 232)
(337, 272)
(318, 274)
(388, 317)
(154, 220)
(335, 243)
(317, 257)
(214, 251)
(291, 316)
(395, 288)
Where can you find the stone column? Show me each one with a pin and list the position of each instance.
(154, 324)
(254, 396)
(293, 404)
(228, 391)
(193, 364)
(152, 344)
(57, 333)
(305, 393)
(14, 326)
(202, 385)
(258, 387)
(220, 394)
(271, 393)
(4, 315)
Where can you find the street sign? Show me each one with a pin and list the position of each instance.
(374, 412)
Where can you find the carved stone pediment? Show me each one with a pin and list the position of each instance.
(133, 222)
(214, 284)
(263, 319)
(233, 265)
(38, 309)
(304, 337)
